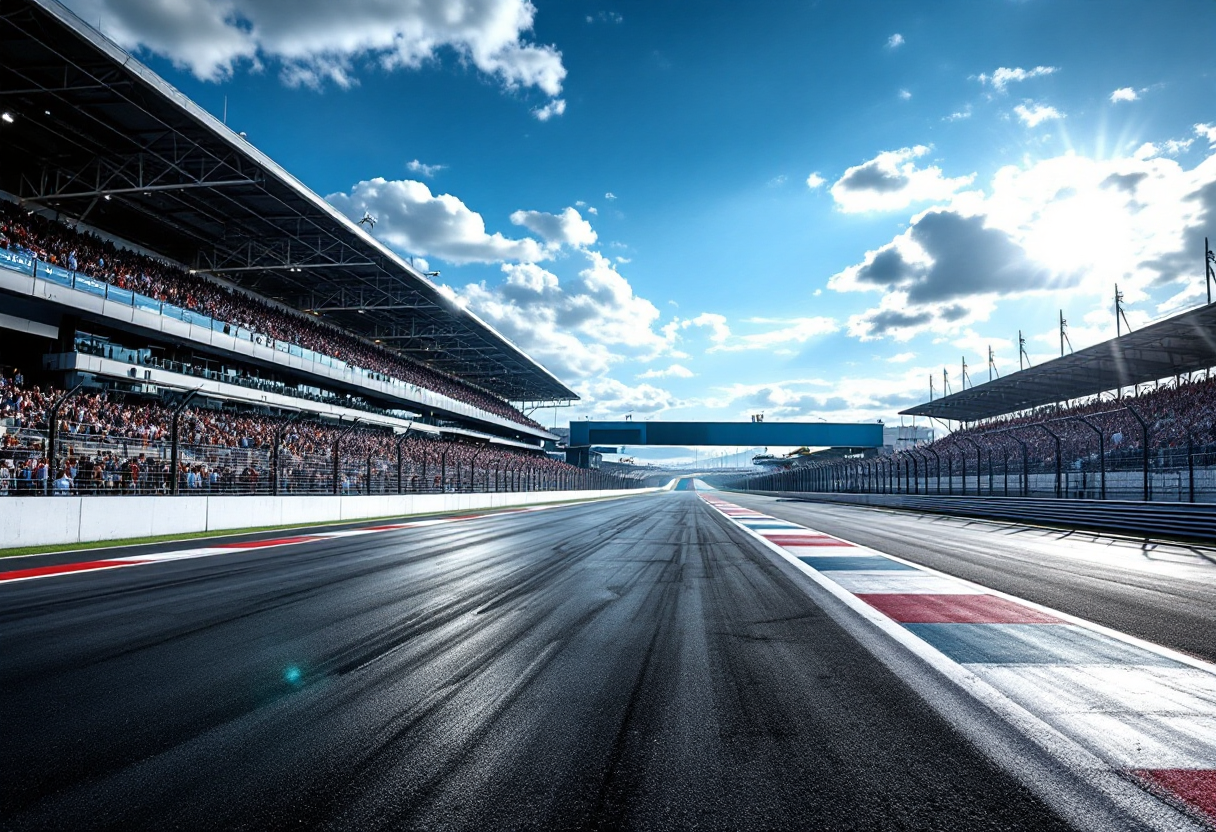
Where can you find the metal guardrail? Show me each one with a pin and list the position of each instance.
(1186, 521)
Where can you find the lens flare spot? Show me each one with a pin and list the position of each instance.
(293, 675)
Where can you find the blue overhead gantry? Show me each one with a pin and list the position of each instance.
(736, 434)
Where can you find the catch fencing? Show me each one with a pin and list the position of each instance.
(125, 466)
(1115, 454)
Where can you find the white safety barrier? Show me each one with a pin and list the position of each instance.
(44, 521)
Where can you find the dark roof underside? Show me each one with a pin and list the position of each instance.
(90, 121)
(1181, 344)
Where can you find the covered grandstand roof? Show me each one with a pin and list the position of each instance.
(1181, 344)
(100, 137)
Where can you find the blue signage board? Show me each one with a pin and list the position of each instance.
(778, 434)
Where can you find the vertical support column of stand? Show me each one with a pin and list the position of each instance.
(173, 439)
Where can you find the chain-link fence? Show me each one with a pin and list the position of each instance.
(1112, 455)
(89, 465)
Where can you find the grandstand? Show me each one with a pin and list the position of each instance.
(1168, 349)
(1129, 418)
(156, 269)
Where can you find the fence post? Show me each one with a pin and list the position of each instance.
(52, 439)
(400, 458)
(950, 472)
(1101, 452)
(275, 453)
(473, 470)
(337, 445)
(1025, 467)
(939, 471)
(443, 471)
(1190, 464)
(173, 439)
(979, 462)
(1059, 474)
(1144, 431)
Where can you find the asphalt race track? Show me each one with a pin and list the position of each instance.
(638, 663)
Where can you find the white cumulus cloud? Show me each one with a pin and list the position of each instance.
(1032, 114)
(414, 166)
(895, 41)
(783, 334)
(1067, 224)
(556, 107)
(1123, 94)
(318, 41)
(411, 219)
(567, 228)
(815, 181)
(892, 181)
(674, 371)
(579, 328)
(1003, 76)
(719, 331)
(608, 398)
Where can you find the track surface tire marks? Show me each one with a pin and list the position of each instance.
(1174, 607)
(636, 664)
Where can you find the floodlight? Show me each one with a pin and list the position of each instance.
(7, 117)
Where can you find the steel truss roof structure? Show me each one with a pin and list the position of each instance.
(104, 140)
(1184, 343)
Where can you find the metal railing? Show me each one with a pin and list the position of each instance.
(1116, 454)
(120, 466)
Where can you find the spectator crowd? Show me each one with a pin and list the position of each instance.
(115, 444)
(1178, 416)
(55, 243)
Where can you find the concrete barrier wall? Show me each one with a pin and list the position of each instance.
(44, 521)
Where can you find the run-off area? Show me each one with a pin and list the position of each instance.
(644, 662)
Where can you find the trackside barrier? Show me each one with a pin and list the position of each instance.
(44, 521)
(1189, 521)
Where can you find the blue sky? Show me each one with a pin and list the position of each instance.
(706, 210)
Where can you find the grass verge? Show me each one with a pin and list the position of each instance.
(56, 548)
